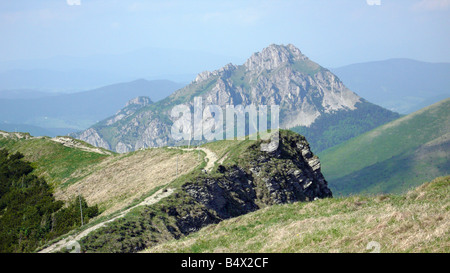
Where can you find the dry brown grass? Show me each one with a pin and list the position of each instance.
(117, 181)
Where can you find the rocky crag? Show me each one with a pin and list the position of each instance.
(251, 180)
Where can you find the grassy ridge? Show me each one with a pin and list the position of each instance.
(53, 161)
(399, 154)
(414, 222)
(112, 182)
(398, 173)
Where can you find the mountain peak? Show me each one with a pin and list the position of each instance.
(270, 57)
(278, 75)
(227, 69)
(273, 56)
(141, 101)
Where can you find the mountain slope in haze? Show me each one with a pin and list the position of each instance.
(401, 85)
(393, 157)
(278, 75)
(69, 80)
(416, 222)
(80, 110)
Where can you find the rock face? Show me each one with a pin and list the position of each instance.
(253, 180)
(139, 101)
(92, 137)
(281, 75)
(278, 75)
(130, 108)
(288, 174)
(273, 57)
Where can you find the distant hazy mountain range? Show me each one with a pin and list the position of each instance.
(69, 73)
(278, 75)
(393, 157)
(55, 114)
(401, 85)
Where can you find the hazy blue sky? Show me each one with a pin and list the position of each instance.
(331, 32)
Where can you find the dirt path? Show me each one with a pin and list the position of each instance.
(211, 157)
(71, 143)
(162, 193)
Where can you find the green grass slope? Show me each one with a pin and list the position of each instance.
(53, 161)
(111, 181)
(334, 128)
(394, 157)
(414, 222)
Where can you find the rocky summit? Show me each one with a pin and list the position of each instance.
(278, 75)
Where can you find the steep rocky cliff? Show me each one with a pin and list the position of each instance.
(251, 180)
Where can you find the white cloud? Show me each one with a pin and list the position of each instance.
(431, 5)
